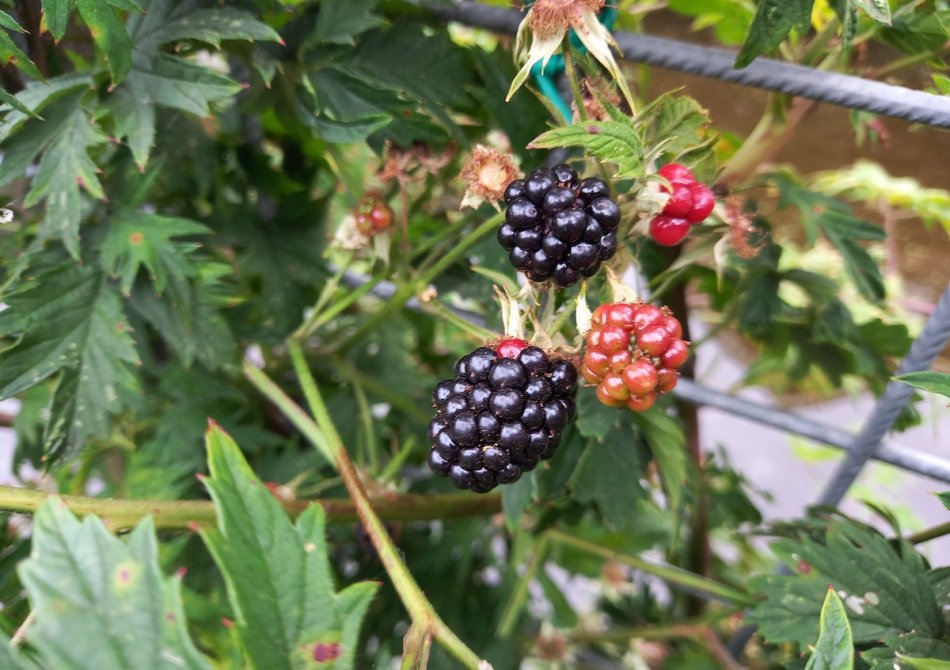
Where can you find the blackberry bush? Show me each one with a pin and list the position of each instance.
(557, 227)
(500, 415)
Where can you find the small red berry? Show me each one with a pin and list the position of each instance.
(680, 202)
(703, 203)
(597, 362)
(646, 315)
(654, 340)
(510, 347)
(620, 314)
(668, 231)
(604, 397)
(677, 174)
(666, 380)
(640, 377)
(611, 339)
(676, 354)
(614, 387)
(642, 403)
(619, 360)
(589, 376)
(672, 325)
(381, 216)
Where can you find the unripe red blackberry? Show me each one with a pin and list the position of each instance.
(690, 203)
(557, 227)
(500, 415)
(633, 351)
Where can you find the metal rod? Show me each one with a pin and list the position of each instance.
(717, 63)
(896, 395)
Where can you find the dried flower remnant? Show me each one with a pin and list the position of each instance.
(488, 173)
(742, 229)
(548, 22)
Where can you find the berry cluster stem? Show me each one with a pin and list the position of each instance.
(321, 431)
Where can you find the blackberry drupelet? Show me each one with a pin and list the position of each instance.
(500, 415)
(558, 227)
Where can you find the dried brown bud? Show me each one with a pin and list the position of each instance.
(488, 173)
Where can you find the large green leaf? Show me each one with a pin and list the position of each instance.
(834, 649)
(924, 663)
(618, 142)
(109, 33)
(69, 319)
(277, 573)
(101, 603)
(340, 21)
(879, 10)
(933, 382)
(889, 594)
(835, 220)
(161, 80)
(665, 438)
(56, 13)
(609, 474)
(11, 659)
(774, 20)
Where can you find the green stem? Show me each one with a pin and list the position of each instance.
(520, 595)
(571, 73)
(323, 434)
(411, 288)
(929, 534)
(120, 514)
(668, 573)
(316, 319)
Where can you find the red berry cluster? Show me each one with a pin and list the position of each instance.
(690, 203)
(373, 216)
(633, 352)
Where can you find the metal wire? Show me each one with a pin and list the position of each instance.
(921, 356)
(716, 63)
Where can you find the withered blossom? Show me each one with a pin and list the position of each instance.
(487, 173)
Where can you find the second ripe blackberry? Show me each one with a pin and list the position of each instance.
(500, 415)
(558, 227)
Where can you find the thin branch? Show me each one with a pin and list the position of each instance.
(191, 514)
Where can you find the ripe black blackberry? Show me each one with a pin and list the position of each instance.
(557, 227)
(500, 415)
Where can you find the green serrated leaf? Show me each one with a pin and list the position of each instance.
(594, 419)
(8, 22)
(56, 13)
(340, 21)
(515, 498)
(35, 97)
(69, 319)
(161, 80)
(917, 32)
(210, 26)
(277, 573)
(879, 10)
(887, 593)
(101, 603)
(109, 34)
(614, 141)
(834, 649)
(668, 446)
(137, 240)
(933, 382)
(189, 324)
(14, 102)
(774, 20)
(64, 168)
(11, 53)
(609, 474)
